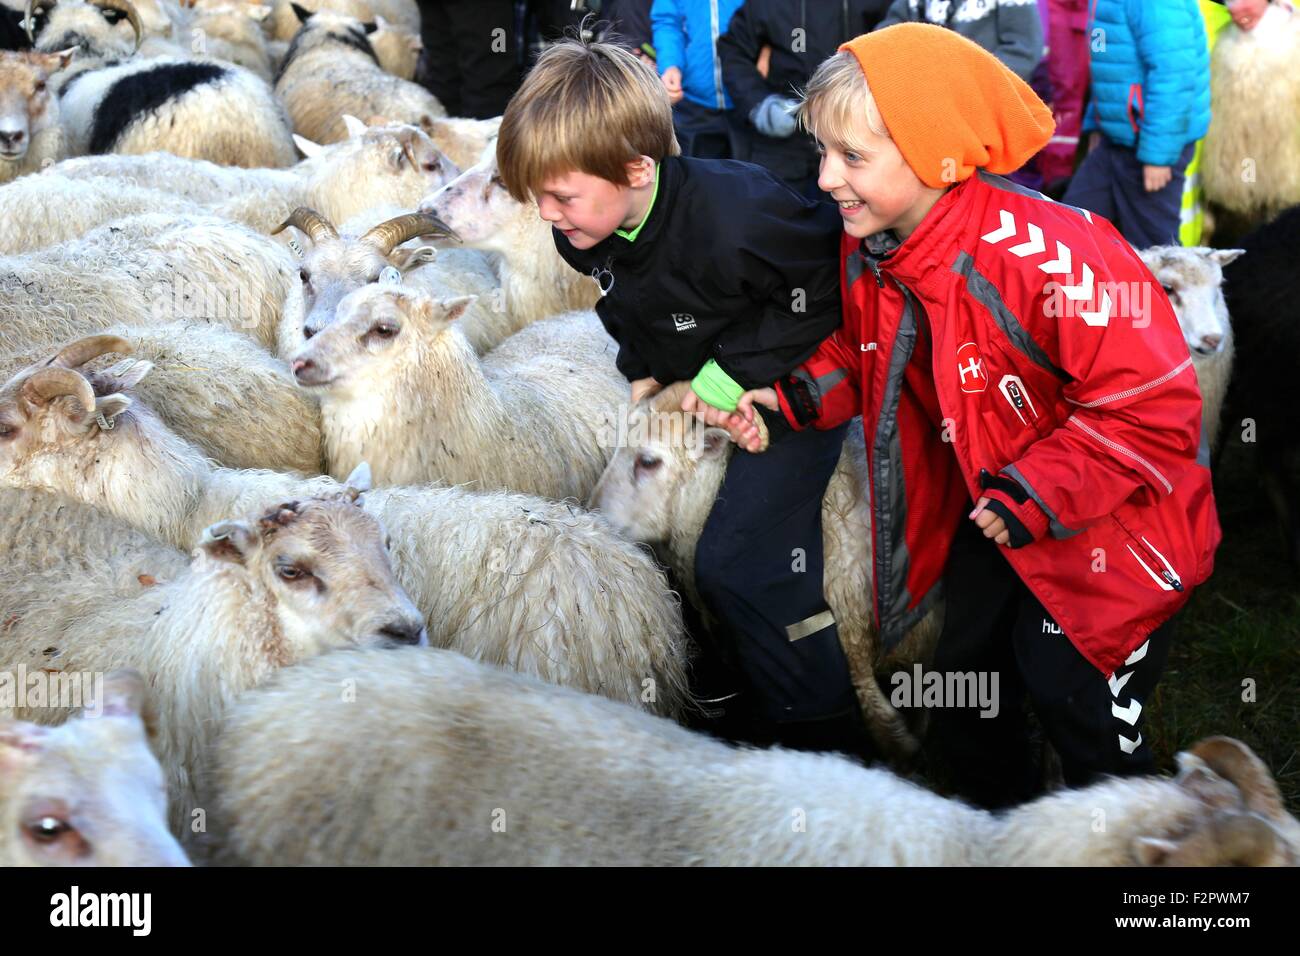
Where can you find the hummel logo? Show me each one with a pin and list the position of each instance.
(683, 321)
(868, 346)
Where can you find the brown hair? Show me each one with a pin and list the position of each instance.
(590, 107)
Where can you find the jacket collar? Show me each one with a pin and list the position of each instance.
(615, 247)
(912, 260)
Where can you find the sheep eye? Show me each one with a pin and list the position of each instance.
(1172, 293)
(431, 166)
(7, 432)
(645, 462)
(497, 182)
(48, 829)
(384, 331)
(302, 274)
(292, 572)
(40, 86)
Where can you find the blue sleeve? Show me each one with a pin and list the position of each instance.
(669, 38)
(1163, 34)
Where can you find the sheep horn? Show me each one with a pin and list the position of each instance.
(82, 351)
(32, 7)
(131, 13)
(310, 222)
(387, 236)
(51, 383)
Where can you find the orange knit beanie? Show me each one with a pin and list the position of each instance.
(950, 105)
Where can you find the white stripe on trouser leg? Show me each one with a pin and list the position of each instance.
(810, 625)
(1130, 712)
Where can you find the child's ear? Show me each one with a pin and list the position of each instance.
(641, 172)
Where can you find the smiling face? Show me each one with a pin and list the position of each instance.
(873, 185)
(585, 208)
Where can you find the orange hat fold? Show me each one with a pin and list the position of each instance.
(950, 105)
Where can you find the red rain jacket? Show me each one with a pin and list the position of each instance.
(1064, 382)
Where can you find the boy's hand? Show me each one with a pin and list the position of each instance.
(749, 434)
(992, 526)
(644, 388)
(1156, 178)
(672, 80)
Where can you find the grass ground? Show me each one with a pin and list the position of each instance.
(1242, 624)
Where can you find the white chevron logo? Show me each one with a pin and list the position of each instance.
(1062, 265)
(1127, 714)
(1128, 746)
(1005, 231)
(1117, 683)
(1032, 246)
(1138, 654)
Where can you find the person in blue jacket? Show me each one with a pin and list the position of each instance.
(1150, 104)
(686, 48)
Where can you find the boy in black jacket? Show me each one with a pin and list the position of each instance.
(712, 271)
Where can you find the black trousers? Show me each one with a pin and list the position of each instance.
(471, 55)
(759, 570)
(994, 625)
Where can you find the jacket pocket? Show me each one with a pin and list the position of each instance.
(1159, 564)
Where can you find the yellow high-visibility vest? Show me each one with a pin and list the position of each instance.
(1192, 216)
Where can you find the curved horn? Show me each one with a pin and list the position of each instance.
(32, 7)
(51, 383)
(389, 235)
(1235, 762)
(132, 16)
(310, 222)
(82, 351)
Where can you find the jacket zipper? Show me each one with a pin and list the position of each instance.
(1157, 561)
(719, 95)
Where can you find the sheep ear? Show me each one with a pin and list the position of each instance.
(453, 309)
(1149, 851)
(109, 407)
(354, 126)
(125, 374)
(714, 443)
(1224, 256)
(64, 57)
(122, 695)
(257, 11)
(301, 12)
(381, 23)
(360, 480)
(407, 259)
(231, 541)
(307, 147)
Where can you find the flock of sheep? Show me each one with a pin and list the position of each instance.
(300, 453)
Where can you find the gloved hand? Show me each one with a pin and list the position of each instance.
(775, 116)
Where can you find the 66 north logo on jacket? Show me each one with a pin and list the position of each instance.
(970, 368)
(683, 321)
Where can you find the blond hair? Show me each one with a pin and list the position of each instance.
(837, 100)
(590, 107)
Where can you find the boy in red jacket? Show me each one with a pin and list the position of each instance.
(1014, 353)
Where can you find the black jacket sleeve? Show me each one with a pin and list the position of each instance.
(628, 362)
(787, 262)
(738, 50)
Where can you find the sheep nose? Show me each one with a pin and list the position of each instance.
(301, 368)
(1211, 342)
(405, 632)
(11, 139)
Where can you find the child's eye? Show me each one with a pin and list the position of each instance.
(851, 157)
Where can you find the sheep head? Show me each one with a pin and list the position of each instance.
(335, 265)
(480, 209)
(1193, 280)
(378, 330)
(664, 459)
(378, 165)
(322, 566)
(88, 792)
(1243, 821)
(96, 28)
(53, 406)
(27, 105)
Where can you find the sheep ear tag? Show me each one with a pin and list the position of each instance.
(296, 247)
(390, 276)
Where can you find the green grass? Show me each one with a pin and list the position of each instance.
(1243, 623)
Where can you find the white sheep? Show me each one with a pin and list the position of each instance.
(401, 387)
(1193, 280)
(30, 134)
(299, 578)
(660, 486)
(402, 14)
(456, 764)
(214, 387)
(534, 280)
(334, 264)
(88, 792)
(149, 270)
(331, 69)
(383, 165)
(538, 586)
(396, 49)
(1250, 166)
